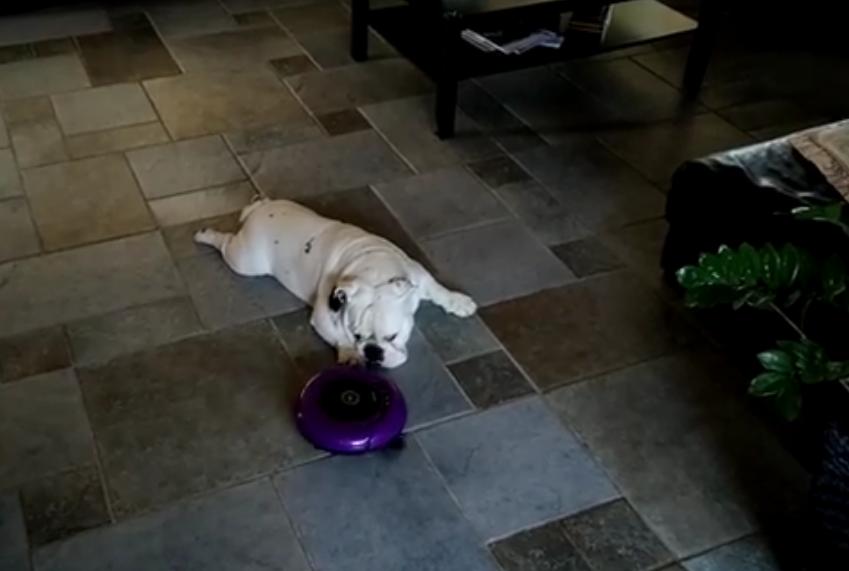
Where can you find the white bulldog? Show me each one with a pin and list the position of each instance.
(363, 289)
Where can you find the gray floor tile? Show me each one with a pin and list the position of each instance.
(278, 135)
(549, 104)
(409, 126)
(97, 279)
(64, 504)
(121, 139)
(200, 204)
(207, 411)
(25, 28)
(499, 171)
(315, 17)
(362, 84)
(343, 122)
(241, 528)
(292, 65)
(102, 108)
(441, 201)
(659, 149)
(545, 548)
(548, 217)
(640, 246)
(429, 389)
(612, 537)
(19, 237)
(85, 201)
(407, 522)
(588, 257)
(561, 335)
(765, 114)
(104, 337)
(751, 554)
(223, 298)
(315, 167)
(256, 19)
(202, 103)
(490, 379)
(697, 467)
(10, 180)
(43, 428)
(515, 466)
(41, 76)
(308, 351)
(332, 48)
(477, 260)
(189, 17)
(181, 241)
(13, 535)
(38, 142)
(495, 120)
(27, 109)
(598, 189)
(454, 338)
(233, 50)
(635, 93)
(33, 353)
(4, 134)
(362, 207)
(183, 166)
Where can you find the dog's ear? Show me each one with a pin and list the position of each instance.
(344, 290)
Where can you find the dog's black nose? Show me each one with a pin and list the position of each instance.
(373, 353)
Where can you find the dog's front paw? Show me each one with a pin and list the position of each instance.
(461, 305)
(348, 356)
(203, 236)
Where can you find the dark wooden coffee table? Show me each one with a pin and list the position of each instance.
(427, 32)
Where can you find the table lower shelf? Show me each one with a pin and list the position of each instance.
(632, 23)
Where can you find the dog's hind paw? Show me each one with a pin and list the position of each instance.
(461, 305)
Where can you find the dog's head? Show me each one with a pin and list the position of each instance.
(377, 319)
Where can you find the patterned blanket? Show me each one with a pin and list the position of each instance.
(827, 147)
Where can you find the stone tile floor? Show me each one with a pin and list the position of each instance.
(579, 423)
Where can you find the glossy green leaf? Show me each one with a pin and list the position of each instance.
(827, 213)
(769, 384)
(777, 360)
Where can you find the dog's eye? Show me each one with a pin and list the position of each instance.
(358, 337)
(390, 338)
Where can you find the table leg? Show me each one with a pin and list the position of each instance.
(446, 107)
(359, 29)
(447, 81)
(703, 42)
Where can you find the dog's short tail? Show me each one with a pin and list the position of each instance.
(256, 203)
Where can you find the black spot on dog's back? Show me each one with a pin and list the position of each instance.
(308, 246)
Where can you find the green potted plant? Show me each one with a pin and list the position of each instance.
(789, 282)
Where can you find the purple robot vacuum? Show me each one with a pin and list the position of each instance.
(350, 410)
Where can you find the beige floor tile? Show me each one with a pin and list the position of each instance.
(202, 103)
(41, 76)
(234, 50)
(310, 18)
(10, 181)
(85, 201)
(64, 286)
(103, 108)
(19, 238)
(183, 208)
(173, 168)
(4, 134)
(123, 138)
(27, 109)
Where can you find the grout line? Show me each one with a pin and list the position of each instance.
(296, 531)
(294, 40)
(387, 140)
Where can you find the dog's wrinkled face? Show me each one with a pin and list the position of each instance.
(378, 320)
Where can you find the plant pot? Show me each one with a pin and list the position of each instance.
(829, 506)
